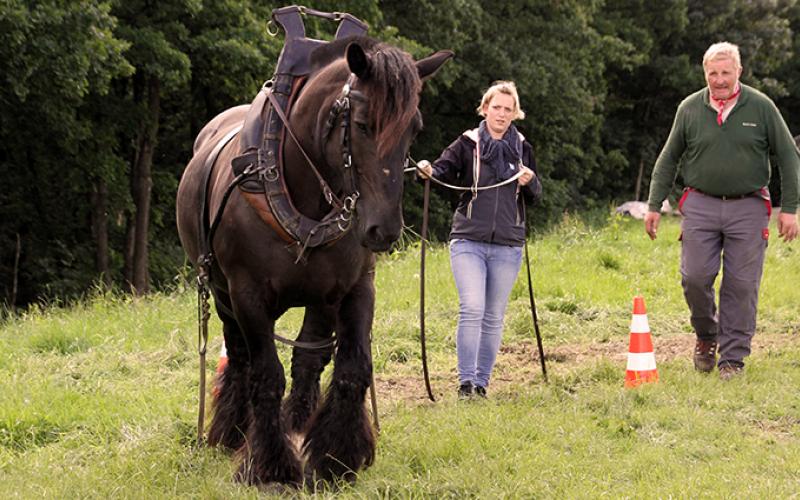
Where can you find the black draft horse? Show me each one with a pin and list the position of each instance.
(258, 280)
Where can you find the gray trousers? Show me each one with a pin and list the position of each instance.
(737, 232)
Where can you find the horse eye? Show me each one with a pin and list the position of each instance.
(362, 127)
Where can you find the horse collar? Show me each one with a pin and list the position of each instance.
(261, 166)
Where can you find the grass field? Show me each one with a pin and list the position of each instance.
(98, 400)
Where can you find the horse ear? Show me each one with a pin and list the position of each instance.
(430, 65)
(357, 60)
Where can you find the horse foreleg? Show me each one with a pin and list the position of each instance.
(307, 366)
(267, 454)
(341, 440)
(230, 424)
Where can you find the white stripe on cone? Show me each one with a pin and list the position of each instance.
(641, 361)
(639, 324)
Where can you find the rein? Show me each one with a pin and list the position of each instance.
(464, 188)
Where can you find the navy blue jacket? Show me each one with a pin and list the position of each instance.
(497, 214)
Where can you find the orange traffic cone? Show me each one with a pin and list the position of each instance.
(641, 358)
(221, 364)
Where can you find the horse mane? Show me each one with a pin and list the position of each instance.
(393, 84)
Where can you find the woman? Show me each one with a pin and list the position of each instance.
(488, 228)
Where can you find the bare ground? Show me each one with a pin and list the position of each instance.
(519, 363)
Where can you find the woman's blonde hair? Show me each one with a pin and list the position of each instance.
(502, 87)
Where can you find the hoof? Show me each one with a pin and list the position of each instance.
(289, 475)
(230, 441)
(315, 483)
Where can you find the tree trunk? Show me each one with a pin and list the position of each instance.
(100, 230)
(127, 267)
(142, 186)
(14, 285)
(639, 179)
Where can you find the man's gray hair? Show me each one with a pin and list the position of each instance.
(723, 50)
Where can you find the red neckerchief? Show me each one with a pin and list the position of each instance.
(722, 102)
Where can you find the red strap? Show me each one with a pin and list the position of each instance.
(683, 198)
(722, 103)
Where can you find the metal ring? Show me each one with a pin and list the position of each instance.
(269, 31)
(349, 203)
(271, 174)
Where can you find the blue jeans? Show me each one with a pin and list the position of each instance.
(484, 275)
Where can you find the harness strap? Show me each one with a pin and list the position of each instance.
(326, 189)
(203, 213)
(306, 345)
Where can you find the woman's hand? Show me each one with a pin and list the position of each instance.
(527, 175)
(424, 169)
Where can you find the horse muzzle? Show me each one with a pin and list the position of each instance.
(379, 238)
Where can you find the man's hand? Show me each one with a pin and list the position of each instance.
(787, 226)
(651, 220)
(424, 169)
(527, 175)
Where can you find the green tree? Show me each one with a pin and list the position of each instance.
(669, 40)
(193, 59)
(554, 54)
(54, 57)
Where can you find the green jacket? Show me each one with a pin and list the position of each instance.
(731, 159)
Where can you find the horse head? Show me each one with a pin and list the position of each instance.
(362, 109)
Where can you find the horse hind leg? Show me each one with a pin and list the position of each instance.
(307, 367)
(340, 440)
(230, 421)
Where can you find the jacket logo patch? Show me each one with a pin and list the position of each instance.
(749, 124)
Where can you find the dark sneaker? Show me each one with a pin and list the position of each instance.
(480, 391)
(465, 390)
(728, 372)
(705, 355)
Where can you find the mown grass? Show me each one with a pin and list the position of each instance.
(99, 400)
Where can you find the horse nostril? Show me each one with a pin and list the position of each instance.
(374, 234)
(379, 237)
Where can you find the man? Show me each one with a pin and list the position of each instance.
(722, 137)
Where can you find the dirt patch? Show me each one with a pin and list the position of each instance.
(519, 363)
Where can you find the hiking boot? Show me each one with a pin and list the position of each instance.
(465, 390)
(480, 391)
(728, 372)
(705, 355)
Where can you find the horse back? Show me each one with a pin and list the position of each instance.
(191, 189)
(217, 127)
